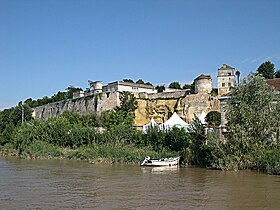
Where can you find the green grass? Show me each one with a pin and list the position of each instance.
(98, 153)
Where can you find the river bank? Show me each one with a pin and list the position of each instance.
(95, 154)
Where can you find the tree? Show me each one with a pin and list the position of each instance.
(189, 86)
(251, 120)
(213, 119)
(140, 81)
(160, 88)
(277, 74)
(128, 102)
(71, 90)
(266, 69)
(148, 83)
(175, 85)
(128, 80)
(237, 73)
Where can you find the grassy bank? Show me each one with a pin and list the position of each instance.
(103, 153)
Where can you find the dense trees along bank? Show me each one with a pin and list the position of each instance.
(252, 140)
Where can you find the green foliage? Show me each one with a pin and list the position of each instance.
(148, 83)
(266, 69)
(128, 80)
(12, 118)
(200, 153)
(128, 103)
(70, 91)
(175, 85)
(140, 81)
(59, 96)
(252, 114)
(214, 92)
(176, 139)
(237, 73)
(189, 86)
(160, 88)
(277, 74)
(117, 117)
(213, 119)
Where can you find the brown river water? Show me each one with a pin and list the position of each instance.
(68, 184)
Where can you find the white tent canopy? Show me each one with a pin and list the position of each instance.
(152, 123)
(174, 120)
(202, 117)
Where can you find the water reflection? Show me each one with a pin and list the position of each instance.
(161, 169)
(60, 184)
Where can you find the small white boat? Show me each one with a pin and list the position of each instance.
(161, 162)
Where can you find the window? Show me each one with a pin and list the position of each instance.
(223, 84)
(229, 84)
(134, 88)
(229, 74)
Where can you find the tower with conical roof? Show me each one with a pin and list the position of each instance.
(226, 79)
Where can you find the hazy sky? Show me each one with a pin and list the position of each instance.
(47, 45)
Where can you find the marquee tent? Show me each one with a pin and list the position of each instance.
(202, 117)
(152, 123)
(174, 120)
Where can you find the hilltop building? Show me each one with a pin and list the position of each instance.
(203, 83)
(151, 104)
(226, 79)
(121, 86)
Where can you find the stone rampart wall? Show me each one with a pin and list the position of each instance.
(157, 106)
(99, 103)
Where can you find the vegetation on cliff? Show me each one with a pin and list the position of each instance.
(59, 96)
(252, 140)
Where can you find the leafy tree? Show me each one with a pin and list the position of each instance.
(237, 73)
(71, 90)
(251, 120)
(200, 153)
(148, 83)
(175, 85)
(189, 86)
(128, 102)
(213, 119)
(140, 81)
(123, 114)
(266, 69)
(177, 139)
(10, 119)
(277, 74)
(214, 92)
(160, 88)
(128, 80)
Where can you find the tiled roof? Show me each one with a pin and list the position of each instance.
(203, 76)
(274, 83)
(225, 66)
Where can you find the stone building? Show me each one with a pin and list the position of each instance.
(226, 79)
(121, 86)
(203, 83)
(95, 87)
(160, 106)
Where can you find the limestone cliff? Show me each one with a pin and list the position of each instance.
(186, 107)
(157, 106)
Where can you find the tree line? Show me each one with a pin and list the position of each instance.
(251, 142)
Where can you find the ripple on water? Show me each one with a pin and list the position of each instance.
(61, 184)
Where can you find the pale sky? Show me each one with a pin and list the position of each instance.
(47, 45)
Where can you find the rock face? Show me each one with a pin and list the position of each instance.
(159, 106)
(186, 107)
